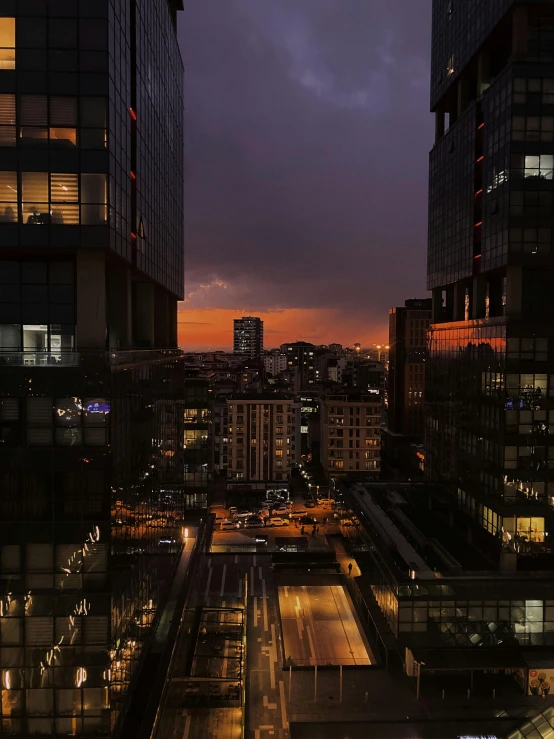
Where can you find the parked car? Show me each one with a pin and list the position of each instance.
(298, 512)
(244, 513)
(229, 525)
(233, 510)
(325, 501)
(262, 512)
(280, 509)
(310, 504)
(278, 522)
(307, 520)
(254, 522)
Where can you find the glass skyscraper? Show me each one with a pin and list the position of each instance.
(490, 417)
(91, 268)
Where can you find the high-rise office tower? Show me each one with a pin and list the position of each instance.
(248, 336)
(408, 326)
(490, 416)
(91, 268)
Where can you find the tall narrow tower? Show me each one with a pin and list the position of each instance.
(490, 413)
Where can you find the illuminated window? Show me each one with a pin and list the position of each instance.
(8, 197)
(278, 452)
(7, 120)
(539, 166)
(34, 196)
(7, 43)
(64, 198)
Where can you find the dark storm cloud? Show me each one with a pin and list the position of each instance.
(307, 132)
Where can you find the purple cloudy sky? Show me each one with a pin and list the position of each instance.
(307, 138)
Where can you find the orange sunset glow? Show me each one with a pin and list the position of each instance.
(213, 328)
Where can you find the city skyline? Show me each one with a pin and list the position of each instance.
(303, 150)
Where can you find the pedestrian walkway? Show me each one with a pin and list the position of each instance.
(343, 558)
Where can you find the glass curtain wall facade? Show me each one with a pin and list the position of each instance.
(91, 268)
(489, 417)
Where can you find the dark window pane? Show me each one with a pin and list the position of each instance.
(33, 273)
(62, 60)
(93, 34)
(61, 273)
(31, 32)
(93, 112)
(63, 33)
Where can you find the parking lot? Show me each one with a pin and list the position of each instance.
(239, 520)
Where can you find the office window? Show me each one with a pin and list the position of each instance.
(539, 166)
(7, 43)
(64, 198)
(7, 120)
(34, 197)
(33, 119)
(8, 197)
(93, 199)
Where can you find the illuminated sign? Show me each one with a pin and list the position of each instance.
(98, 406)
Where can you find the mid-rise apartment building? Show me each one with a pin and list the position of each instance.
(350, 438)
(264, 436)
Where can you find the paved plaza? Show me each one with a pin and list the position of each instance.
(319, 627)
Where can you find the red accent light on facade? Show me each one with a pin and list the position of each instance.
(133, 236)
(480, 159)
(477, 256)
(480, 223)
(479, 192)
(482, 125)
(133, 114)
(133, 175)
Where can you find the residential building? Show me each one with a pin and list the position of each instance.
(300, 359)
(491, 223)
(91, 269)
(350, 438)
(275, 362)
(264, 436)
(248, 336)
(198, 438)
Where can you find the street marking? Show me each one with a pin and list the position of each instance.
(225, 663)
(264, 605)
(272, 657)
(187, 726)
(268, 705)
(286, 591)
(300, 625)
(312, 647)
(208, 583)
(223, 580)
(255, 612)
(283, 705)
(252, 580)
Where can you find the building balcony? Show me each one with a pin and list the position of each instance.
(39, 359)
